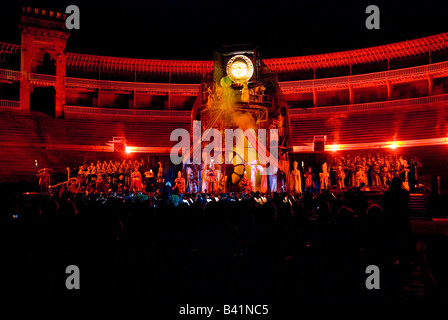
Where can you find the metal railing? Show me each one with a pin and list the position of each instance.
(172, 114)
(42, 78)
(286, 86)
(370, 106)
(175, 88)
(10, 75)
(9, 104)
(43, 23)
(436, 68)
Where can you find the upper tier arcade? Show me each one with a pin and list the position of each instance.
(405, 49)
(40, 75)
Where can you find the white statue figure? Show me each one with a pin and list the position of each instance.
(324, 177)
(254, 169)
(296, 178)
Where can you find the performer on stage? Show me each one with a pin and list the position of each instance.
(405, 169)
(204, 178)
(359, 175)
(149, 177)
(192, 179)
(309, 179)
(195, 179)
(136, 180)
(44, 178)
(102, 182)
(254, 169)
(273, 183)
(296, 178)
(212, 179)
(246, 184)
(340, 174)
(376, 174)
(91, 172)
(179, 187)
(160, 179)
(324, 177)
(386, 176)
(413, 176)
(282, 180)
(350, 172)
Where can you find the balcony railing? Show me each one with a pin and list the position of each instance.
(370, 106)
(402, 75)
(174, 88)
(405, 74)
(10, 75)
(58, 25)
(9, 104)
(171, 114)
(42, 78)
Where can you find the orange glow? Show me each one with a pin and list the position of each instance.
(335, 147)
(393, 145)
(128, 149)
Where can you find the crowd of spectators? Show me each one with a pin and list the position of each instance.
(209, 248)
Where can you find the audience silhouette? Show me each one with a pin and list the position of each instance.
(239, 246)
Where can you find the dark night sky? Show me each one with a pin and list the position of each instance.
(174, 29)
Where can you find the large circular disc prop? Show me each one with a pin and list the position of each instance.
(240, 68)
(238, 169)
(237, 173)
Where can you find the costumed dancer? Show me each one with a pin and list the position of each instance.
(179, 186)
(91, 172)
(189, 184)
(309, 179)
(212, 179)
(136, 180)
(160, 179)
(359, 176)
(386, 176)
(273, 184)
(102, 182)
(149, 177)
(414, 166)
(194, 180)
(246, 184)
(340, 174)
(282, 180)
(204, 178)
(350, 173)
(405, 171)
(254, 168)
(376, 174)
(44, 178)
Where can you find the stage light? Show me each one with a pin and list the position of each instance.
(334, 148)
(128, 149)
(393, 145)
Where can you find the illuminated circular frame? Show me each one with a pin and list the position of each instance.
(247, 61)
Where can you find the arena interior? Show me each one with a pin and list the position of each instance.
(86, 176)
